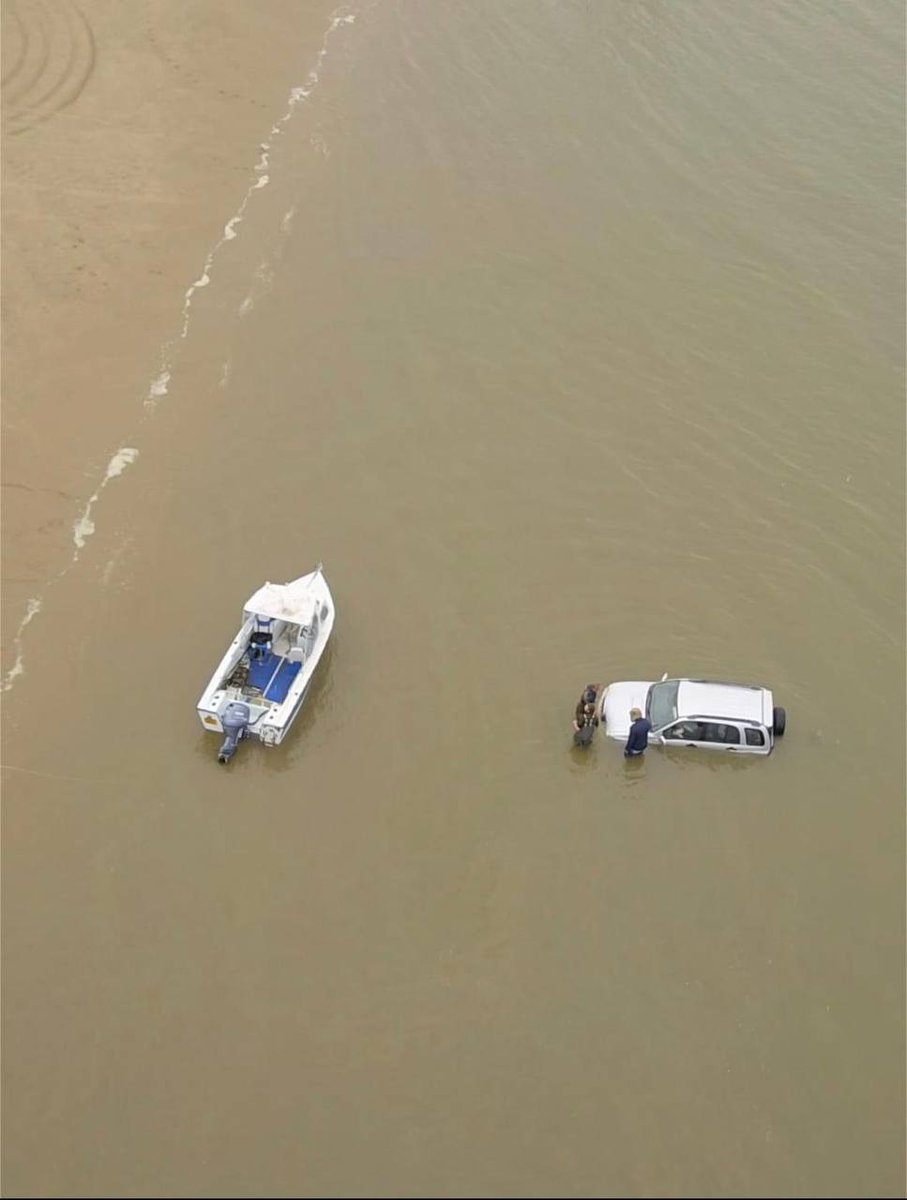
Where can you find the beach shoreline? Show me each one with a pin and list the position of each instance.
(127, 145)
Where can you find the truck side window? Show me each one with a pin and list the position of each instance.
(755, 737)
(723, 734)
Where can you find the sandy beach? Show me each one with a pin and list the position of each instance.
(129, 139)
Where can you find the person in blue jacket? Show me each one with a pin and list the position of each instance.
(640, 729)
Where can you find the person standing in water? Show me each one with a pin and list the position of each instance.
(585, 720)
(584, 727)
(638, 739)
(587, 700)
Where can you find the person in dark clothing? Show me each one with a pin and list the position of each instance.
(587, 700)
(584, 726)
(640, 729)
(583, 730)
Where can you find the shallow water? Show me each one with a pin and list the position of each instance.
(570, 338)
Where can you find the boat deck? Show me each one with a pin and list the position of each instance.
(262, 676)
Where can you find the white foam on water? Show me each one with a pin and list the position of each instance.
(84, 527)
(159, 386)
(121, 460)
(111, 564)
(170, 351)
(264, 280)
(18, 668)
(82, 530)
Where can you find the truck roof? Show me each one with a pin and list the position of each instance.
(732, 701)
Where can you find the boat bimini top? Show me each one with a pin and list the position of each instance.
(283, 602)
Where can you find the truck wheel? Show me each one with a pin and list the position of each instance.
(779, 720)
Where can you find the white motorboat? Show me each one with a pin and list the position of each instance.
(261, 682)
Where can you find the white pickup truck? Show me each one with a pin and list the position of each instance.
(698, 713)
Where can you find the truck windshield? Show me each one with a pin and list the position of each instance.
(661, 705)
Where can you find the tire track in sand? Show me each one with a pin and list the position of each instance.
(48, 58)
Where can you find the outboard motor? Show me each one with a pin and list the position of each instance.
(235, 721)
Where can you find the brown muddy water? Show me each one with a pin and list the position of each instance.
(569, 336)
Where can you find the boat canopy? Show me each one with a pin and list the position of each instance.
(294, 602)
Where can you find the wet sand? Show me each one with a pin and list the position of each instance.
(129, 139)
